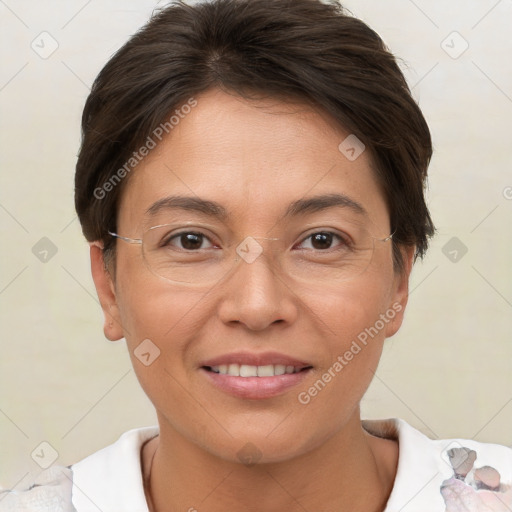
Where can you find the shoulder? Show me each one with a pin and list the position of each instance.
(446, 474)
(51, 490)
(111, 478)
(108, 480)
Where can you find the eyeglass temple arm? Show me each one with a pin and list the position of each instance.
(126, 239)
(388, 238)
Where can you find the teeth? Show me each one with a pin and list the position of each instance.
(265, 371)
(246, 370)
(279, 369)
(234, 369)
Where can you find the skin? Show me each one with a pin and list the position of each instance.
(315, 456)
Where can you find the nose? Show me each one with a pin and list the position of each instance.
(256, 295)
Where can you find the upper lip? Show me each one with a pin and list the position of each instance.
(252, 359)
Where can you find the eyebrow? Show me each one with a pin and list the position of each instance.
(195, 204)
(324, 202)
(296, 208)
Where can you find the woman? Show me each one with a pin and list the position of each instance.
(251, 184)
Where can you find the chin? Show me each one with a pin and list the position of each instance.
(259, 447)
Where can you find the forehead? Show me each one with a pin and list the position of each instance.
(256, 159)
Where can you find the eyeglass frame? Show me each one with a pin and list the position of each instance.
(140, 241)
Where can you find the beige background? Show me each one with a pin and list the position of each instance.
(448, 372)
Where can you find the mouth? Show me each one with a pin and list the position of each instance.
(246, 370)
(254, 376)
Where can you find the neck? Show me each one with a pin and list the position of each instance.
(350, 471)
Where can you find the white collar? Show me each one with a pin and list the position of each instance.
(110, 480)
(420, 471)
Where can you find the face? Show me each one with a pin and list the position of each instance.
(282, 308)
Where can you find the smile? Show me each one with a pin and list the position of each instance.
(253, 376)
(245, 370)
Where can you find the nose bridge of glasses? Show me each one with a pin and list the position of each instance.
(253, 247)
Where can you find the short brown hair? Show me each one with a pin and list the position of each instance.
(311, 50)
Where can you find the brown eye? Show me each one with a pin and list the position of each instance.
(187, 240)
(323, 240)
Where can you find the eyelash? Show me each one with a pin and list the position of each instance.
(344, 242)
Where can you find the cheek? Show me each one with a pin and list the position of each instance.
(160, 314)
(349, 334)
(353, 321)
(348, 310)
(157, 320)
(148, 305)
(168, 319)
(172, 320)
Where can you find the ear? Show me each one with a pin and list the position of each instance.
(105, 289)
(400, 293)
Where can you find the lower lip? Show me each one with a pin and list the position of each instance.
(255, 388)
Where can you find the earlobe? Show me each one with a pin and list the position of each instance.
(400, 293)
(105, 289)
